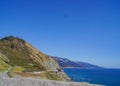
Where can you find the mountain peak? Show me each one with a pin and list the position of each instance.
(12, 42)
(12, 38)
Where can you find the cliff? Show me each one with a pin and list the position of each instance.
(17, 57)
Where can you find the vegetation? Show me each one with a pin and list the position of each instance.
(18, 53)
(3, 66)
(51, 75)
(24, 60)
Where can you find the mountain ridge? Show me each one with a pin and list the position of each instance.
(66, 63)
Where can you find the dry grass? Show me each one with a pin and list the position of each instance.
(3, 66)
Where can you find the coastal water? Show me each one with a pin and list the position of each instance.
(107, 77)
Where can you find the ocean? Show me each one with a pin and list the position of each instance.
(107, 77)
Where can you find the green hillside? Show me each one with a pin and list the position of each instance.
(25, 60)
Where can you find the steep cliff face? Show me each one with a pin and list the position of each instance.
(27, 61)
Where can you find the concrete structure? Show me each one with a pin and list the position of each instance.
(5, 81)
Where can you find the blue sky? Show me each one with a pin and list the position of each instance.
(84, 30)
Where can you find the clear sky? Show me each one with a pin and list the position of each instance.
(82, 30)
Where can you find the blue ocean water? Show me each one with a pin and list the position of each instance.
(107, 77)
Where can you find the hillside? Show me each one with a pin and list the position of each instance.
(66, 63)
(17, 57)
